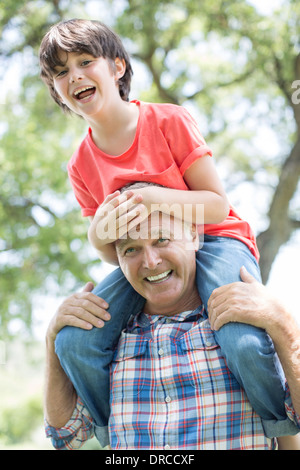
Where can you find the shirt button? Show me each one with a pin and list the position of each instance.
(208, 343)
(168, 399)
(160, 352)
(167, 447)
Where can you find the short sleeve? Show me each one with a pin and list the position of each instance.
(185, 139)
(84, 198)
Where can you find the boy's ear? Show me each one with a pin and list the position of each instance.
(120, 68)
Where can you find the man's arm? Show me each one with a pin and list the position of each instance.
(251, 302)
(68, 422)
(83, 310)
(286, 339)
(60, 396)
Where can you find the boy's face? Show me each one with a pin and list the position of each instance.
(87, 84)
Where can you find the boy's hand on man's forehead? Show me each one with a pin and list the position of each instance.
(118, 214)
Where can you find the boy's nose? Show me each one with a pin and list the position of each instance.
(75, 76)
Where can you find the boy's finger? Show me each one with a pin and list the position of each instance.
(111, 196)
(124, 219)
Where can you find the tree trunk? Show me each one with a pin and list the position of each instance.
(281, 225)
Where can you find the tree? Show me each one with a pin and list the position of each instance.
(255, 59)
(43, 245)
(232, 66)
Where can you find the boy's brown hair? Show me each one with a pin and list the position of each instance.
(82, 36)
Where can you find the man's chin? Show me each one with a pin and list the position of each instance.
(166, 303)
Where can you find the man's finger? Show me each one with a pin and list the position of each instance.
(247, 277)
(88, 287)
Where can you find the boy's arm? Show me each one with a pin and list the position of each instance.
(106, 252)
(203, 181)
(205, 189)
(121, 212)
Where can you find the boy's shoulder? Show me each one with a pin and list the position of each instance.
(163, 111)
(161, 108)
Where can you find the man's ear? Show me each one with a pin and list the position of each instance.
(191, 231)
(194, 231)
(195, 236)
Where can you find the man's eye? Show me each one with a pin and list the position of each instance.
(129, 251)
(163, 240)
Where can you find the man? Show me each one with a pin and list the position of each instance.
(170, 386)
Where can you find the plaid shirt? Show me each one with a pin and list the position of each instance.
(171, 389)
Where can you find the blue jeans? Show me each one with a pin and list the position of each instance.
(249, 351)
(85, 355)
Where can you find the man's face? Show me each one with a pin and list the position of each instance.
(159, 262)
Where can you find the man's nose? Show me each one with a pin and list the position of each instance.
(151, 258)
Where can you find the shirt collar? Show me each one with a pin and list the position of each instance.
(143, 320)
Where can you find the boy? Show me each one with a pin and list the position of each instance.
(88, 72)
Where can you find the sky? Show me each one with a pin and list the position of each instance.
(266, 7)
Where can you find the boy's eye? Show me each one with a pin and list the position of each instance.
(61, 73)
(86, 62)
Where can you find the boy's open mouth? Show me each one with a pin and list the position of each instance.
(84, 92)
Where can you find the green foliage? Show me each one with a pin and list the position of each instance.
(39, 215)
(231, 65)
(18, 423)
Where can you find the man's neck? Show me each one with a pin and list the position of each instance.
(188, 303)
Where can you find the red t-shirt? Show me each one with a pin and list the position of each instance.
(166, 143)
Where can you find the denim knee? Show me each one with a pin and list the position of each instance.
(65, 341)
(243, 345)
(249, 346)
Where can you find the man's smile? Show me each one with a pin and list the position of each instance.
(160, 277)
